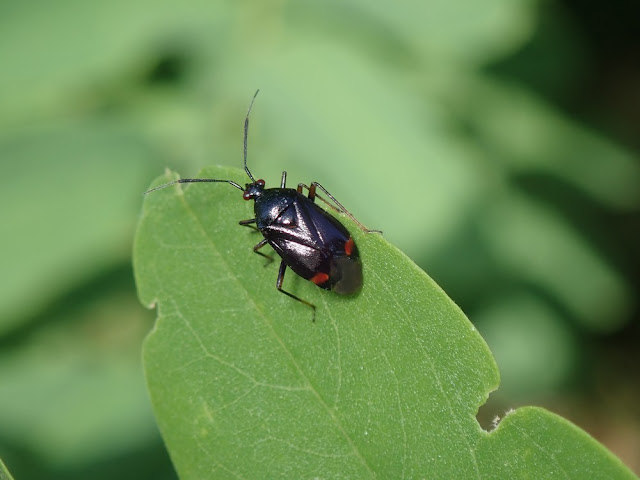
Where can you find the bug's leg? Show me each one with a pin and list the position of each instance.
(247, 223)
(283, 183)
(338, 206)
(280, 279)
(258, 246)
(313, 196)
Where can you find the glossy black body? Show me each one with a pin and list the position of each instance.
(309, 240)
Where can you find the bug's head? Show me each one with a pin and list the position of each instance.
(253, 190)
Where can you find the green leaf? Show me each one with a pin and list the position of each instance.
(384, 384)
(4, 473)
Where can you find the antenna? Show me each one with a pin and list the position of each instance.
(206, 180)
(193, 180)
(246, 133)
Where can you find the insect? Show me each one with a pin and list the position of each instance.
(311, 242)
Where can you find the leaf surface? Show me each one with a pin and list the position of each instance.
(4, 473)
(384, 384)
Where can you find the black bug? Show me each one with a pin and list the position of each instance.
(312, 243)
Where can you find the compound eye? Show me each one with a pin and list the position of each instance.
(260, 183)
(247, 196)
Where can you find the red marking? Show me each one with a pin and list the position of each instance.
(348, 247)
(319, 278)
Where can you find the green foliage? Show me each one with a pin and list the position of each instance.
(67, 198)
(84, 360)
(4, 473)
(383, 384)
(397, 108)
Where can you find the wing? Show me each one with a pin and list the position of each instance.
(314, 244)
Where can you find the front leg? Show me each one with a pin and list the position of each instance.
(258, 246)
(247, 223)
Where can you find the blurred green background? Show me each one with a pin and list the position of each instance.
(494, 141)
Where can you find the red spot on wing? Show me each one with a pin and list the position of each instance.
(348, 247)
(319, 278)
